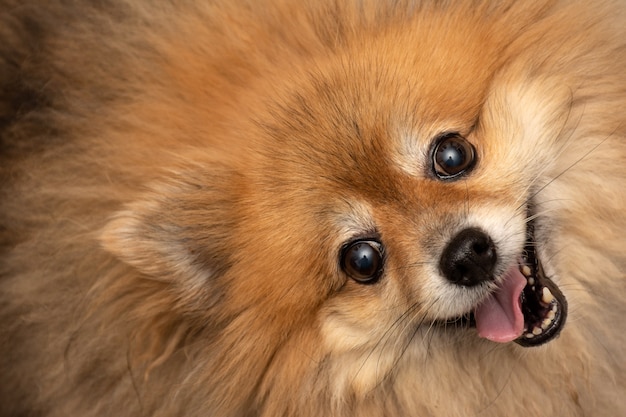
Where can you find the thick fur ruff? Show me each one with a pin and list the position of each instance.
(179, 180)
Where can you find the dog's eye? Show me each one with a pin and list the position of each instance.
(452, 156)
(362, 260)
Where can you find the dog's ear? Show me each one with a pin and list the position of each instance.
(179, 231)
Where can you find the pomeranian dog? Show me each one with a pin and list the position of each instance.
(312, 208)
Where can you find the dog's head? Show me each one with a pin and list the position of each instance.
(376, 200)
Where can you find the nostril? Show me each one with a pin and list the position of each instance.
(484, 250)
(469, 258)
(481, 248)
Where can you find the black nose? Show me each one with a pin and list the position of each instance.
(469, 258)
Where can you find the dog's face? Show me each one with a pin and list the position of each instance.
(423, 206)
(376, 201)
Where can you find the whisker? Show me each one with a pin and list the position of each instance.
(386, 335)
(515, 213)
(523, 199)
(417, 328)
(572, 165)
(467, 199)
(560, 151)
(408, 266)
(405, 318)
(539, 214)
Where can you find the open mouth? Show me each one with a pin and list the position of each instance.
(527, 307)
(543, 305)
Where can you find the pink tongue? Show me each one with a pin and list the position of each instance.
(499, 318)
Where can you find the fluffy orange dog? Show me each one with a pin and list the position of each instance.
(320, 208)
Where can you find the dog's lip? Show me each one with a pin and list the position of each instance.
(543, 304)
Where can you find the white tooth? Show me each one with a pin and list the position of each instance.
(537, 331)
(531, 281)
(526, 270)
(546, 323)
(546, 295)
(554, 308)
(551, 314)
(529, 335)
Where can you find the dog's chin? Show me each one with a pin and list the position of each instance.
(525, 307)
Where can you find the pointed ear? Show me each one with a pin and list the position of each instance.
(179, 231)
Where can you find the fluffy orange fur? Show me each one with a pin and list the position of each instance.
(178, 180)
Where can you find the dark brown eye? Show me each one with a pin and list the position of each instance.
(452, 156)
(362, 260)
